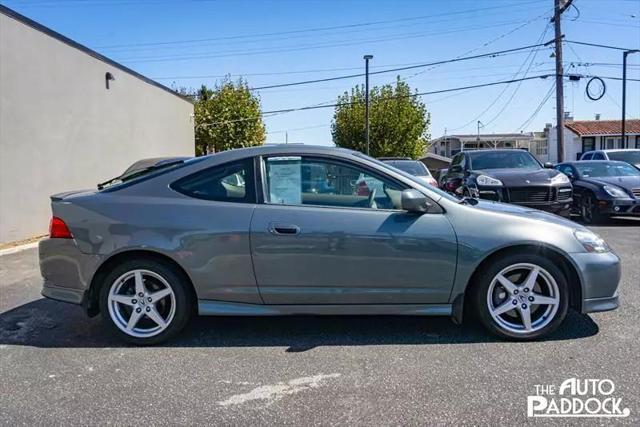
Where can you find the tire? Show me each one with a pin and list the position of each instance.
(589, 212)
(493, 298)
(166, 294)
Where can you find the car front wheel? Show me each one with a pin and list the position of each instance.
(145, 301)
(521, 296)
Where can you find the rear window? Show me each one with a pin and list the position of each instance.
(230, 182)
(625, 156)
(413, 167)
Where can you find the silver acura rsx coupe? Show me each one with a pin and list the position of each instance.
(289, 230)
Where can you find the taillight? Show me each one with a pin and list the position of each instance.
(58, 229)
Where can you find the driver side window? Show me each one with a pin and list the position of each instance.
(327, 182)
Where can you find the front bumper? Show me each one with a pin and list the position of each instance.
(627, 207)
(600, 275)
(557, 200)
(67, 272)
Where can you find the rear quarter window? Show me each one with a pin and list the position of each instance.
(230, 182)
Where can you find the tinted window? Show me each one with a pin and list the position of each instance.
(605, 169)
(412, 167)
(598, 156)
(587, 156)
(503, 160)
(321, 182)
(625, 156)
(231, 182)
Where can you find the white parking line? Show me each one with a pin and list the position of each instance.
(277, 391)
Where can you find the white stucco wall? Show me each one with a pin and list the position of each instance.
(61, 129)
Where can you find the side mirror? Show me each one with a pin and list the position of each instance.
(548, 165)
(414, 201)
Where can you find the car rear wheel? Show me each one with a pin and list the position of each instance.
(521, 296)
(145, 302)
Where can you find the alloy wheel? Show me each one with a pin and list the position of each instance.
(141, 303)
(587, 209)
(523, 298)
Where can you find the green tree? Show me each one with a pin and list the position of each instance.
(398, 121)
(227, 116)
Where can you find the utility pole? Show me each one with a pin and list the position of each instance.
(366, 99)
(624, 93)
(559, 7)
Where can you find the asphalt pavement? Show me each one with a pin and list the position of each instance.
(59, 367)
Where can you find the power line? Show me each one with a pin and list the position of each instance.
(542, 76)
(544, 32)
(306, 47)
(538, 108)
(598, 45)
(313, 30)
(391, 70)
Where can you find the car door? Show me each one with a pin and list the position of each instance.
(345, 247)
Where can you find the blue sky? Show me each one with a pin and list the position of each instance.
(191, 42)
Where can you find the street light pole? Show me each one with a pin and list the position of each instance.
(624, 93)
(366, 99)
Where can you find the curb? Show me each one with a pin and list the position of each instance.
(17, 249)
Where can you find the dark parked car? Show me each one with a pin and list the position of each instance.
(628, 155)
(510, 176)
(412, 167)
(603, 188)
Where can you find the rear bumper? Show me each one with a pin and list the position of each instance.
(66, 271)
(594, 305)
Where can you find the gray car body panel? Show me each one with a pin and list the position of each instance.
(358, 258)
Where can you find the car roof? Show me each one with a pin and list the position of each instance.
(583, 162)
(397, 158)
(612, 150)
(498, 150)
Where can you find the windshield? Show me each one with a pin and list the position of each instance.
(413, 167)
(604, 169)
(625, 156)
(516, 159)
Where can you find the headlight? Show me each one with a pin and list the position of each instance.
(615, 192)
(487, 180)
(560, 179)
(591, 241)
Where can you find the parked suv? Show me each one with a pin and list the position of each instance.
(629, 155)
(510, 176)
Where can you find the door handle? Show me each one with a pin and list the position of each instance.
(284, 229)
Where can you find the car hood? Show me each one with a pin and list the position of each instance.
(525, 212)
(627, 182)
(520, 177)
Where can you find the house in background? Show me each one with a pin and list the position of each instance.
(70, 118)
(586, 135)
(449, 145)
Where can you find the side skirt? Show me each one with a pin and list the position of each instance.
(222, 308)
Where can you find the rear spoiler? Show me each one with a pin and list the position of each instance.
(61, 196)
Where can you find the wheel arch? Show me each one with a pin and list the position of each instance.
(91, 302)
(566, 265)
